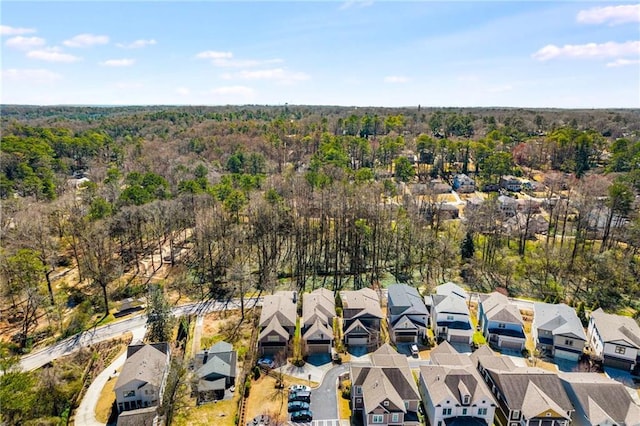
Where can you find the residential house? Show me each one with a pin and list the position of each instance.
(318, 313)
(532, 224)
(450, 314)
(525, 396)
(614, 339)
(407, 315)
(557, 331)
(215, 372)
(361, 316)
(501, 322)
(463, 183)
(384, 392)
(455, 395)
(143, 377)
(600, 400)
(508, 205)
(510, 183)
(277, 322)
(438, 186)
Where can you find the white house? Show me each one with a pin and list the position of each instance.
(143, 377)
(614, 339)
(450, 314)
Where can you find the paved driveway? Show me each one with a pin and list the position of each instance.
(324, 398)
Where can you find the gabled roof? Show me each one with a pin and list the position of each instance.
(147, 364)
(536, 403)
(616, 328)
(560, 319)
(450, 288)
(450, 304)
(498, 307)
(547, 394)
(365, 301)
(319, 303)
(316, 329)
(281, 305)
(482, 351)
(448, 383)
(377, 388)
(354, 325)
(405, 323)
(218, 365)
(221, 347)
(602, 398)
(444, 348)
(402, 295)
(273, 326)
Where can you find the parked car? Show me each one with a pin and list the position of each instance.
(266, 362)
(414, 350)
(302, 416)
(300, 396)
(297, 406)
(298, 388)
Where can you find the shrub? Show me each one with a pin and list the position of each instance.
(256, 372)
(346, 392)
(247, 387)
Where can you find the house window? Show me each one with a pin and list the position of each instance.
(446, 411)
(395, 417)
(465, 400)
(273, 338)
(620, 349)
(358, 390)
(358, 400)
(502, 325)
(568, 342)
(129, 394)
(386, 403)
(377, 418)
(482, 411)
(449, 317)
(464, 411)
(406, 405)
(439, 422)
(515, 414)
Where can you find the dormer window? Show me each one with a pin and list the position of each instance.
(386, 403)
(466, 399)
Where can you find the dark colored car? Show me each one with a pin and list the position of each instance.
(300, 396)
(302, 416)
(297, 406)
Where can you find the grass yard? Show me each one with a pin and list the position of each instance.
(344, 406)
(105, 403)
(264, 398)
(221, 413)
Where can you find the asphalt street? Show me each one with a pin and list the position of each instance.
(323, 398)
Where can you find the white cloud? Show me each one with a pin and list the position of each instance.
(118, 62)
(7, 30)
(396, 79)
(183, 91)
(591, 50)
(623, 62)
(213, 54)
(355, 4)
(233, 90)
(25, 43)
(30, 75)
(86, 40)
(52, 54)
(614, 15)
(137, 44)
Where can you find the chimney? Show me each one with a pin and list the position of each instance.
(206, 357)
(295, 297)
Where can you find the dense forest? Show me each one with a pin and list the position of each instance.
(238, 199)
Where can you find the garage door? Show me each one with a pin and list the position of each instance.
(618, 363)
(509, 344)
(570, 356)
(406, 339)
(458, 339)
(357, 341)
(270, 350)
(316, 349)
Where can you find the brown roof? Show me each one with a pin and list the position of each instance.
(139, 417)
(279, 304)
(447, 383)
(274, 325)
(147, 364)
(366, 300)
(616, 327)
(319, 303)
(498, 307)
(318, 327)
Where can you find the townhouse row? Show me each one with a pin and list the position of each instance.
(482, 388)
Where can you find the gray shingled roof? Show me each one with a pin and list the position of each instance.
(273, 325)
(449, 288)
(616, 327)
(319, 303)
(444, 383)
(279, 304)
(498, 307)
(560, 319)
(404, 295)
(548, 392)
(450, 304)
(602, 398)
(318, 327)
(365, 299)
(147, 364)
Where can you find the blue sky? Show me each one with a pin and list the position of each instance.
(363, 53)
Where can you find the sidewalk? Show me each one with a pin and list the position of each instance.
(307, 370)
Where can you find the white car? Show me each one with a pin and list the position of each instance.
(414, 350)
(299, 388)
